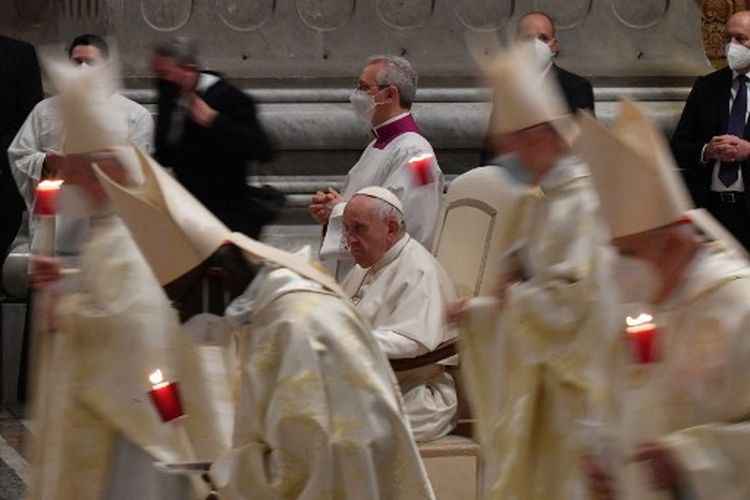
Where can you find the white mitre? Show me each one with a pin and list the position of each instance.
(175, 233)
(383, 194)
(633, 171)
(523, 97)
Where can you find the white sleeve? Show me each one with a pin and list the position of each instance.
(395, 345)
(142, 130)
(26, 158)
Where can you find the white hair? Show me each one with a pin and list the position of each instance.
(384, 211)
(398, 72)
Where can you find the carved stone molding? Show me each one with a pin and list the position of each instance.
(245, 15)
(715, 14)
(166, 15)
(639, 15)
(567, 14)
(325, 15)
(405, 14)
(484, 15)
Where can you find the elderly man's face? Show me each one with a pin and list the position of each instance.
(537, 147)
(367, 236)
(166, 68)
(738, 29)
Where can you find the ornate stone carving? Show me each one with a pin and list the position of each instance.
(715, 14)
(567, 14)
(639, 15)
(325, 15)
(405, 14)
(245, 15)
(166, 15)
(484, 15)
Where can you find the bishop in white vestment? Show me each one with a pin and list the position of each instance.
(679, 392)
(318, 410)
(532, 357)
(402, 291)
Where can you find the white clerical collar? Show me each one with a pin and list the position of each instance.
(391, 254)
(205, 82)
(390, 120)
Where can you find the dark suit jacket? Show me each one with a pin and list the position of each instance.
(577, 90)
(20, 90)
(211, 162)
(705, 115)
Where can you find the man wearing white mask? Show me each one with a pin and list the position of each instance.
(710, 142)
(680, 387)
(403, 292)
(383, 100)
(532, 355)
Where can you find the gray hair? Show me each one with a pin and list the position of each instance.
(384, 211)
(183, 49)
(398, 72)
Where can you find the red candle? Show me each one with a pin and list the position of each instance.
(166, 397)
(420, 166)
(46, 197)
(642, 338)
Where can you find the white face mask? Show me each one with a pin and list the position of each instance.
(543, 52)
(364, 105)
(738, 57)
(637, 282)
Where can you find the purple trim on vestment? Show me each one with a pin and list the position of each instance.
(386, 133)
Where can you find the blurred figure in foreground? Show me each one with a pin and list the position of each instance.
(532, 356)
(680, 389)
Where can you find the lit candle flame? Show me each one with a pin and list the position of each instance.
(639, 320)
(157, 379)
(49, 185)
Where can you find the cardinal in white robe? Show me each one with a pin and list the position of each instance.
(98, 338)
(531, 356)
(318, 410)
(383, 100)
(402, 291)
(677, 419)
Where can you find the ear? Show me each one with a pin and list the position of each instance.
(392, 94)
(393, 226)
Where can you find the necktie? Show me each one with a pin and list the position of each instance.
(729, 172)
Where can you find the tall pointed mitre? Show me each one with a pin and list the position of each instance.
(84, 93)
(175, 233)
(633, 172)
(523, 96)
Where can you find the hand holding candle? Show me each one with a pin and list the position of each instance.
(420, 167)
(641, 334)
(166, 397)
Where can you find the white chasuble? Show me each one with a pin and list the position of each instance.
(532, 366)
(404, 297)
(318, 413)
(696, 398)
(92, 378)
(385, 163)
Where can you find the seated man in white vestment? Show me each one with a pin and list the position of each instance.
(97, 338)
(383, 100)
(532, 366)
(679, 419)
(402, 291)
(318, 412)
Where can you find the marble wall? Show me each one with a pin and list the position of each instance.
(324, 39)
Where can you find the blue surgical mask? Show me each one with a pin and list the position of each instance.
(512, 166)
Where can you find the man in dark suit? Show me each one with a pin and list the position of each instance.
(207, 130)
(711, 140)
(540, 28)
(21, 89)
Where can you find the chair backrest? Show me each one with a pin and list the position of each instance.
(475, 226)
